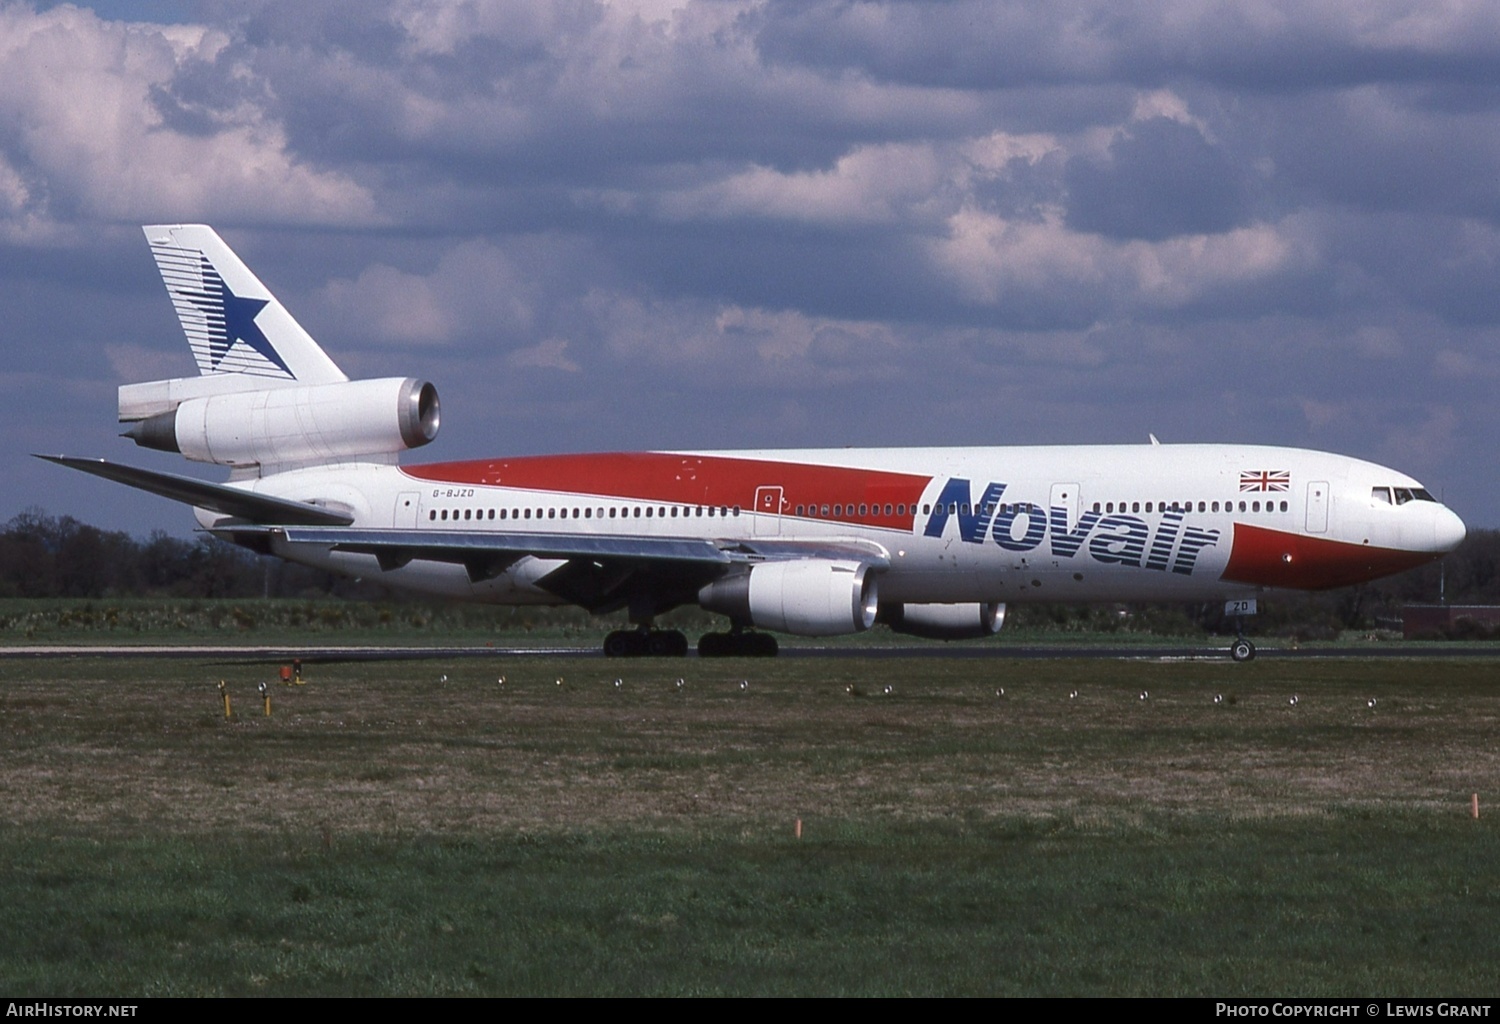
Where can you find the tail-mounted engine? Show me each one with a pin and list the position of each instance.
(294, 424)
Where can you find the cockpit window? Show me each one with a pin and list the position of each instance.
(1402, 494)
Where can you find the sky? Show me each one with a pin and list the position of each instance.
(655, 224)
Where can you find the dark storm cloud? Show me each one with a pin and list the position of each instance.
(1161, 178)
(981, 44)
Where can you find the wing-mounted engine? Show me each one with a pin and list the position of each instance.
(806, 597)
(970, 621)
(282, 424)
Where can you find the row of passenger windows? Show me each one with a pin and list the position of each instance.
(1187, 506)
(851, 509)
(611, 512)
(711, 511)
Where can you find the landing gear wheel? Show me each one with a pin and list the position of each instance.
(1242, 650)
(623, 643)
(762, 645)
(636, 643)
(666, 643)
(737, 645)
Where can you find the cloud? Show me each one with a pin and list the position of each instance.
(757, 222)
(551, 354)
(83, 135)
(475, 289)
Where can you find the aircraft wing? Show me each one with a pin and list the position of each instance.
(598, 572)
(229, 501)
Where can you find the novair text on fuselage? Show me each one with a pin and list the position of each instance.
(1113, 538)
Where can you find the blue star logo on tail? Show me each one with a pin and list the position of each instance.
(234, 316)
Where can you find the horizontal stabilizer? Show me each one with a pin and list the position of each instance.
(229, 501)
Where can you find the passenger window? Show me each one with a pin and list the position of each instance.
(1283, 506)
(432, 513)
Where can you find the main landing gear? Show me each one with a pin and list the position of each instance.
(737, 644)
(669, 643)
(645, 643)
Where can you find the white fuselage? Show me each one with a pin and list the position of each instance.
(1090, 523)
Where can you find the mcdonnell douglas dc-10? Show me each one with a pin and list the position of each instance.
(933, 542)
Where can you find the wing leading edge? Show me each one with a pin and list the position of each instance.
(221, 498)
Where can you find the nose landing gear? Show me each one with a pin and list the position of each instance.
(1242, 649)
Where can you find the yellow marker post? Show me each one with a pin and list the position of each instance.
(224, 692)
(265, 695)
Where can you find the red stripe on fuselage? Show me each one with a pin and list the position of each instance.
(697, 480)
(1273, 558)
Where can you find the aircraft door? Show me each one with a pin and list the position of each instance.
(768, 504)
(1317, 506)
(1065, 497)
(406, 510)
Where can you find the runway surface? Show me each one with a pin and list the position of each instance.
(324, 654)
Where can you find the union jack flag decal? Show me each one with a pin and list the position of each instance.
(1265, 480)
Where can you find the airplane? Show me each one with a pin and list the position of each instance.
(932, 542)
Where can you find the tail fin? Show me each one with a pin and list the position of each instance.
(233, 323)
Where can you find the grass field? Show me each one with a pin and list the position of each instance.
(389, 831)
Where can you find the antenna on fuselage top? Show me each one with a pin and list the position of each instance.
(1154, 441)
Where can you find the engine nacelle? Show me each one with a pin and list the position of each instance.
(300, 424)
(971, 621)
(810, 597)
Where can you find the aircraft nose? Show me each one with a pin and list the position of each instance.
(1448, 531)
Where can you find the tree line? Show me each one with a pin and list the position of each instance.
(45, 556)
